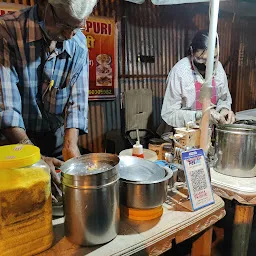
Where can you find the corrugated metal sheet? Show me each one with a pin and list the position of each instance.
(245, 87)
(103, 115)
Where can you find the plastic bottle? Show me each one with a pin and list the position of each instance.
(138, 150)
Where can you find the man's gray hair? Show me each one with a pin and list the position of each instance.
(78, 9)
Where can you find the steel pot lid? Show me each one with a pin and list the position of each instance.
(90, 170)
(237, 128)
(89, 164)
(138, 170)
(246, 122)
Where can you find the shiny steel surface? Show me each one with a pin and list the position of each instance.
(236, 150)
(139, 170)
(91, 200)
(145, 195)
(91, 170)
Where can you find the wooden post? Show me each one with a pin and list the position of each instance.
(242, 229)
(202, 246)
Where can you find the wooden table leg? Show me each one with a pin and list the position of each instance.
(202, 246)
(242, 229)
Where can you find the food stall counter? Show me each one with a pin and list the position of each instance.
(152, 237)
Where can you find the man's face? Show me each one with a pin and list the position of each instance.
(60, 25)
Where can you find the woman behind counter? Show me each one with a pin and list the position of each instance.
(181, 101)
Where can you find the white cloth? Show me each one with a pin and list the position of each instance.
(169, 2)
(179, 100)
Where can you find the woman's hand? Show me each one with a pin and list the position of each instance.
(216, 117)
(228, 115)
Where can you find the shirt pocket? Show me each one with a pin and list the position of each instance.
(56, 99)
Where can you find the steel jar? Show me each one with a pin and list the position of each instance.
(235, 150)
(91, 198)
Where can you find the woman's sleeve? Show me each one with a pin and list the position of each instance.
(171, 112)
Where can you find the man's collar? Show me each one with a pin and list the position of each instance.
(66, 47)
(35, 33)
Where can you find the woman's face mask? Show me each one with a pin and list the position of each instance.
(200, 59)
(199, 66)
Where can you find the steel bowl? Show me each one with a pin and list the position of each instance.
(137, 169)
(145, 194)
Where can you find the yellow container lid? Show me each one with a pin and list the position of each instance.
(18, 155)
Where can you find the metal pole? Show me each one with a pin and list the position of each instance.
(206, 90)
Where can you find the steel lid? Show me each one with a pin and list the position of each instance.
(90, 170)
(138, 170)
(241, 128)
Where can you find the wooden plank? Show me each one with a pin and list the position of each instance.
(202, 246)
(242, 229)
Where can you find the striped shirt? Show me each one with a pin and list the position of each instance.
(38, 90)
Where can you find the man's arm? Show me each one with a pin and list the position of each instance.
(70, 148)
(11, 121)
(15, 134)
(76, 121)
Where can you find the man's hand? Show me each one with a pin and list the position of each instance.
(53, 162)
(228, 115)
(70, 148)
(70, 151)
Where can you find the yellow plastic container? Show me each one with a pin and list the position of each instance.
(25, 201)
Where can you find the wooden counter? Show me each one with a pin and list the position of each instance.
(243, 191)
(149, 237)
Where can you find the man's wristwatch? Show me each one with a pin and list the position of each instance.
(26, 141)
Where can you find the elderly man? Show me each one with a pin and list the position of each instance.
(44, 77)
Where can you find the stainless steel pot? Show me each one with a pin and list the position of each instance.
(144, 194)
(91, 198)
(235, 150)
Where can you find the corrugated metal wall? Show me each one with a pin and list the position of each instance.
(103, 115)
(245, 93)
(165, 32)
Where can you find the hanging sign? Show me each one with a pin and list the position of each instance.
(10, 7)
(101, 38)
(198, 180)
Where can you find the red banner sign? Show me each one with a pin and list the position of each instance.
(100, 34)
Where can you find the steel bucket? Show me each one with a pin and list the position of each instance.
(235, 150)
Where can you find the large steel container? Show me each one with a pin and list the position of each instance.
(236, 150)
(91, 198)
